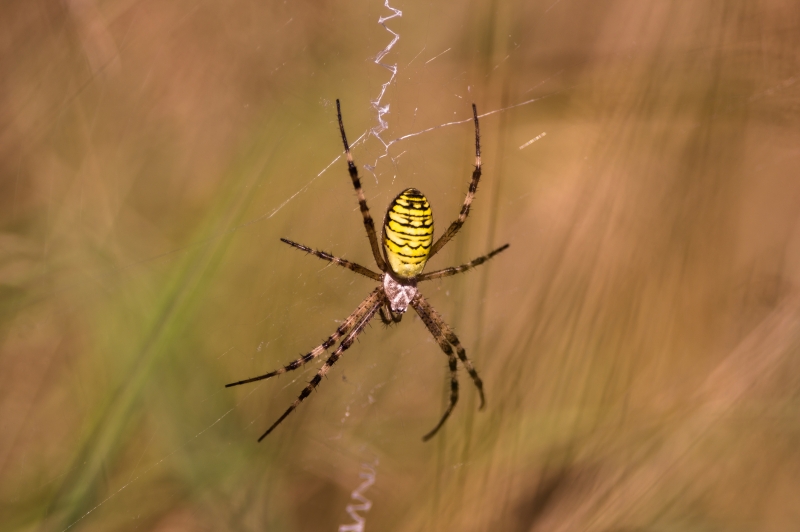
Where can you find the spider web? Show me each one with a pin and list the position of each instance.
(382, 114)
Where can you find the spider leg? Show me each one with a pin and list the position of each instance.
(388, 317)
(324, 346)
(473, 186)
(422, 306)
(462, 354)
(447, 272)
(362, 201)
(453, 398)
(376, 300)
(436, 331)
(352, 266)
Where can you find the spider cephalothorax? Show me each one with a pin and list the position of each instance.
(407, 246)
(399, 293)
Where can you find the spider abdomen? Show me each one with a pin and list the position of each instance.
(408, 233)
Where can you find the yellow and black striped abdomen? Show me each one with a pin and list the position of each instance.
(408, 233)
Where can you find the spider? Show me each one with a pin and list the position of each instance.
(407, 245)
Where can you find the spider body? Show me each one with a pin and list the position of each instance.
(408, 243)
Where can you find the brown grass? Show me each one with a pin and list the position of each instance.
(638, 340)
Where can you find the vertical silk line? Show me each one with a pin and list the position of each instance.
(380, 108)
(364, 504)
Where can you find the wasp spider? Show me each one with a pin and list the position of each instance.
(407, 246)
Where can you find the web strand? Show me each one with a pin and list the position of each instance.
(380, 108)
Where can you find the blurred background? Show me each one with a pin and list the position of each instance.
(638, 341)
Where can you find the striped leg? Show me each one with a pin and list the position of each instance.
(362, 201)
(473, 186)
(447, 272)
(375, 296)
(433, 327)
(352, 266)
(377, 299)
(421, 305)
